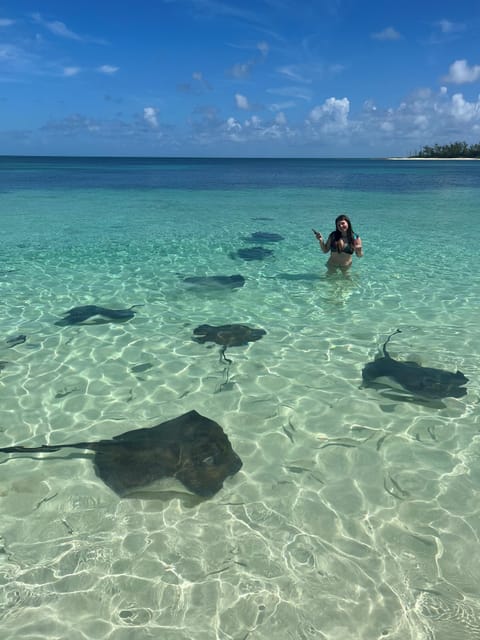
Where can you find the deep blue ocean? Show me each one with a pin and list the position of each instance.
(355, 513)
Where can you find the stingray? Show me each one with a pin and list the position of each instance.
(422, 382)
(12, 341)
(191, 448)
(77, 315)
(253, 253)
(227, 335)
(309, 277)
(264, 236)
(216, 282)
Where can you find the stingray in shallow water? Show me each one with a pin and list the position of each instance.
(77, 315)
(253, 253)
(309, 277)
(422, 382)
(227, 335)
(215, 282)
(264, 236)
(191, 448)
(12, 341)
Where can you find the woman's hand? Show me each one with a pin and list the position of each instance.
(357, 245)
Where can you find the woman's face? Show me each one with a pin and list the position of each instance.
(342, 226)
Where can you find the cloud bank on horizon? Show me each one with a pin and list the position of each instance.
(237, 77)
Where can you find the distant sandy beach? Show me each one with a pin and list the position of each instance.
(433, 159)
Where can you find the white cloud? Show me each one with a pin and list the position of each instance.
(6, 22)
(292, 73)
(241, 102)
(150, 116)
(56, 27)
(280, 119)
(332, 115)
(461, 73)
(387, 34)
(450, 27)
(107, 69)
(263, 48)
(300, 93)
(279, 106)
(254, 122)
(463, 110)
(241, 70)
(233, 125)
(421, 121)
(69, 72)
(233, 130)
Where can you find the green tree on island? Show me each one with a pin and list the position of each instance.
(453, 150)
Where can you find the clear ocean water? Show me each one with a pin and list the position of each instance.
(356, 514)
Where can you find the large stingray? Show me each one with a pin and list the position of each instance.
(78, 315)
(253, 253)
(215, 282)
(190, 448)
(227, 335)
(264, 236)
(421, 382)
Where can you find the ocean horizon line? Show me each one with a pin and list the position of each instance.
(182, 157)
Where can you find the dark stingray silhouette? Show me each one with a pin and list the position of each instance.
(264, 236)
(227, 335)
(77, 315)
(190, 448)
(12, 341)
(253, 253)
(309, 277)
(422, 382)
(216, 282)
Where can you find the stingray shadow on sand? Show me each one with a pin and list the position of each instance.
(191, 448)
(423, 383)
(101, 315)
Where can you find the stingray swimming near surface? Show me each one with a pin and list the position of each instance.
(191, 448)
(77, 315)
(264, 236)
(209, 283)
(12, 341)
(252, 253)
(422, 382)
(227, 335)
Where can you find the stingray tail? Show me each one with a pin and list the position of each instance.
(223, 356)
(48, 448)
(385, 353)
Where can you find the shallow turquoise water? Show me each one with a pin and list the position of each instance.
(355, 514)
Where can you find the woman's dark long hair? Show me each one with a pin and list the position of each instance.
(337, 235)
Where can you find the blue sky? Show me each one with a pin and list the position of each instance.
(238, 77)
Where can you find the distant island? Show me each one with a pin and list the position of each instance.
(454, 150)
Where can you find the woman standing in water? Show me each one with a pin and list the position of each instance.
(342, 244)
